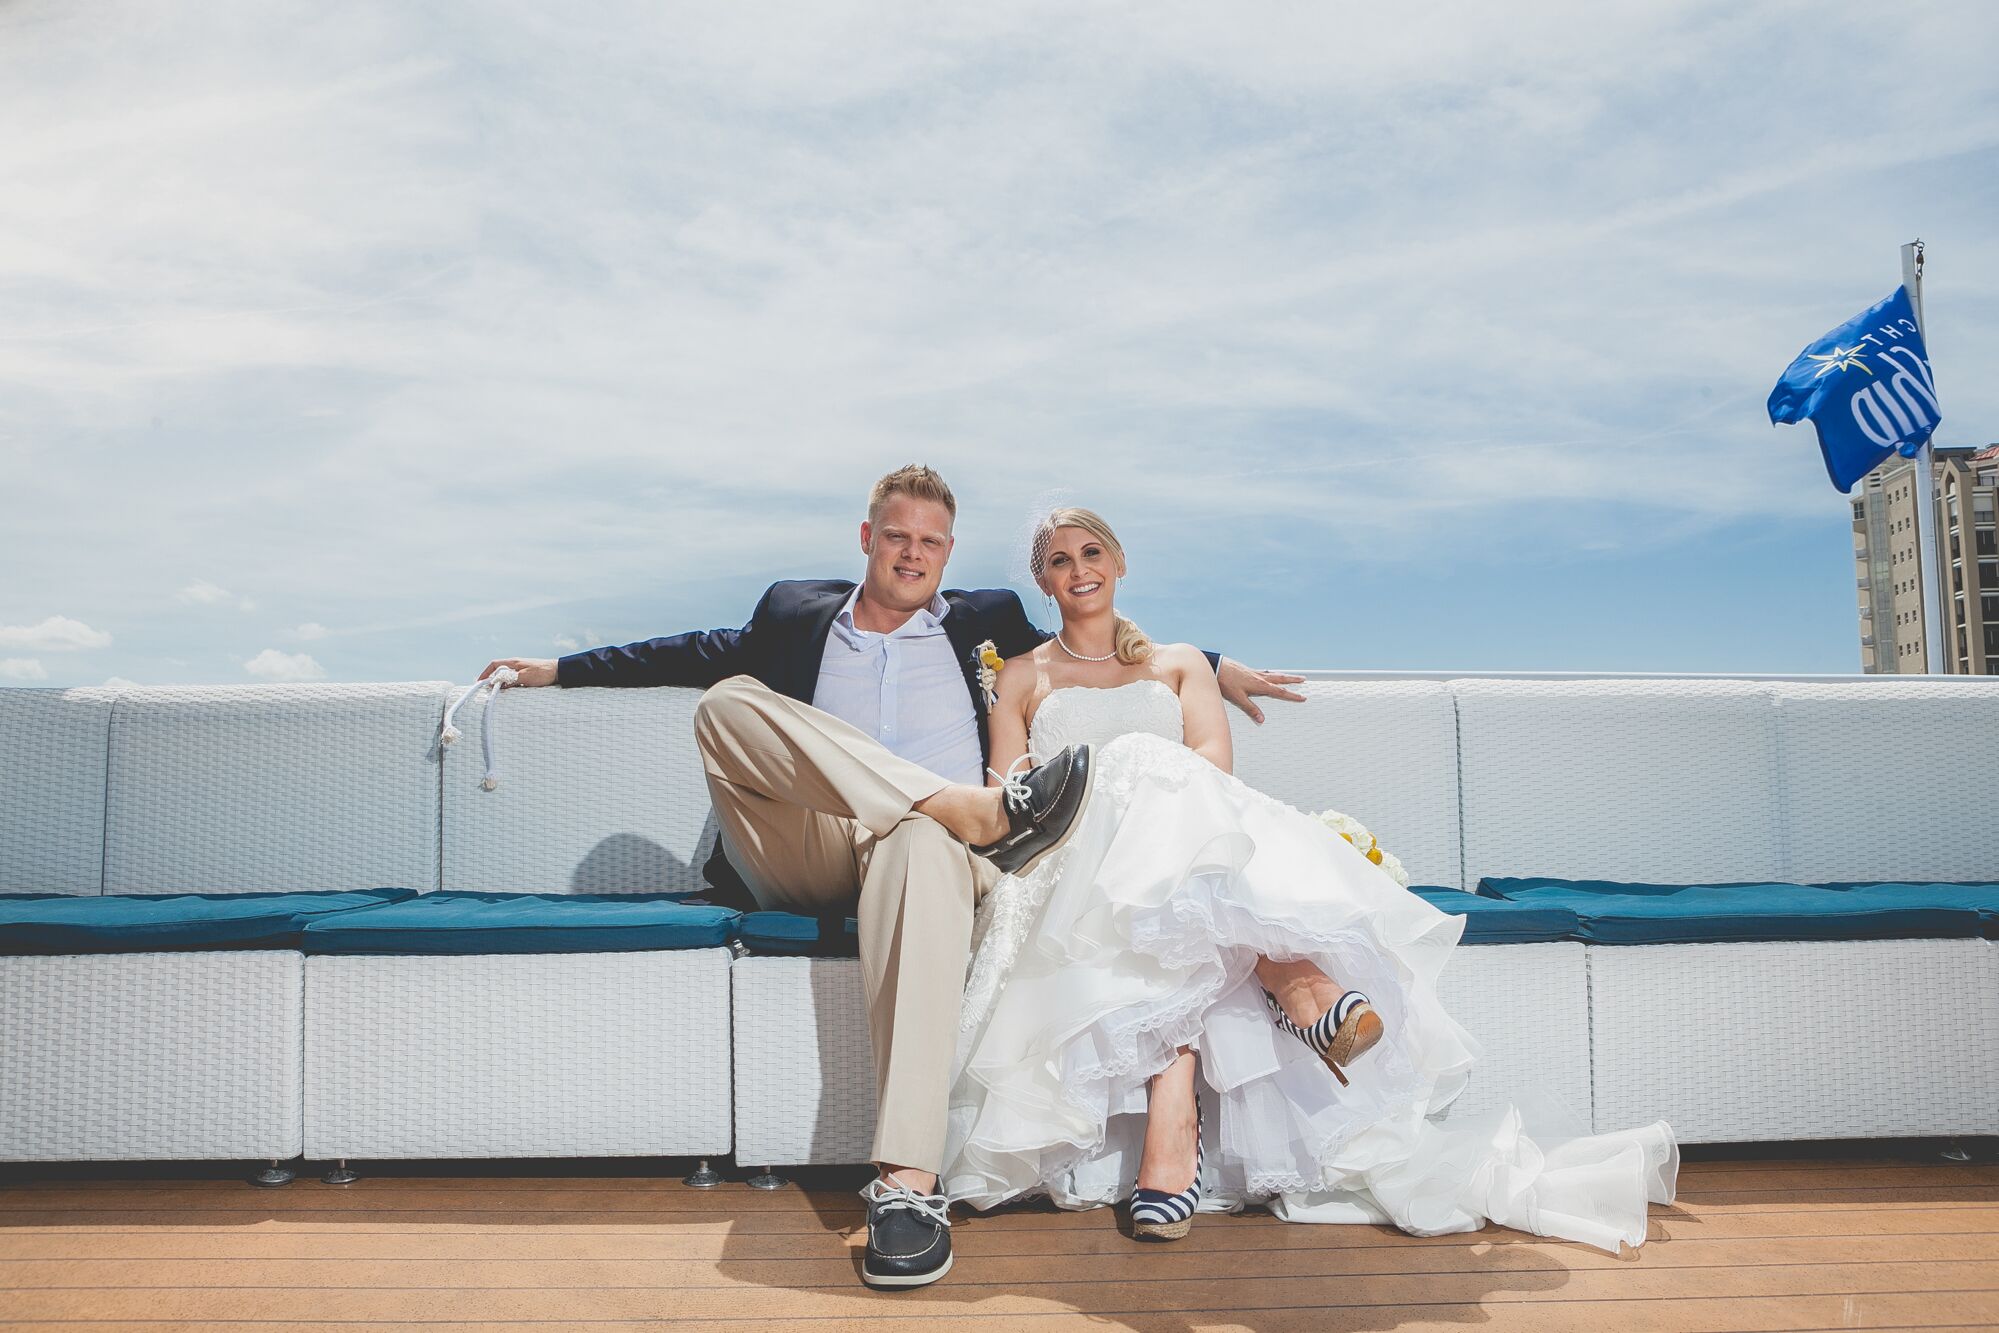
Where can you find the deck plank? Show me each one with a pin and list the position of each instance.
(1872, 1242)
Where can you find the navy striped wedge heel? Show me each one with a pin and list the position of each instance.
(1340, 1036)
(1157, 1215)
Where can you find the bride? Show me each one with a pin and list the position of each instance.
(1205, 998)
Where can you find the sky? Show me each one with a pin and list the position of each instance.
(375, 341)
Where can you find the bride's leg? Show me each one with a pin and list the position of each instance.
(1301, 988)
(1167, 1163)
(1311, 1005)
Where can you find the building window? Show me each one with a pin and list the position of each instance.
(1988, 606)
(1991, 641)
(1988, 575)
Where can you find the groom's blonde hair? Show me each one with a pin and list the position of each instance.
(914, 480)
(1133, 646)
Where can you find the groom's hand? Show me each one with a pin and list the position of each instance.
(531, 670)
(1238, 683)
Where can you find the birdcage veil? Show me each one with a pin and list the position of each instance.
(1022, 557)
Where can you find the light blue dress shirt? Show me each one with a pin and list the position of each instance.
(906, 689)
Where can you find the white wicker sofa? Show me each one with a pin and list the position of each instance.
(279, 1054)
(249, 1054)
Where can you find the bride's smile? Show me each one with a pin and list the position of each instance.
(1081, 572)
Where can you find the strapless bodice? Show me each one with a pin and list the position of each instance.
(1088, 714)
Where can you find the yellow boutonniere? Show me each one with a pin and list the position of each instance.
(989, 663)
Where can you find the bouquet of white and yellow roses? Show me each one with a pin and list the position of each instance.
(1364, 842)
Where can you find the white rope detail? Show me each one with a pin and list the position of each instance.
(493, 684)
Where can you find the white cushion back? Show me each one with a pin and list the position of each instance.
(599, 791)
(1667, 780)
(1891, 779)
(249, 788)
(52, 745)
(245, 788)
(1384, 752)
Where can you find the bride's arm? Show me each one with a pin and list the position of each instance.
(1006, 721)
(1206, 725)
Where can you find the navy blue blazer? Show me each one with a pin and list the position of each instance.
(783, 644)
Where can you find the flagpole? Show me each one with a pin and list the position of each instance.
(1934, 605)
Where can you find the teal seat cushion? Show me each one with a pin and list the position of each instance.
(793, 934)
(455, 922)
(32, 923)
(1497, 921)
(1487, 921)
(1612, 912)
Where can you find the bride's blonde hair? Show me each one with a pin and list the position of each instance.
(1133, 646)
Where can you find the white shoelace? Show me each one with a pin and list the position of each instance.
(501, 677)
(884, 1192)
(1013, 786)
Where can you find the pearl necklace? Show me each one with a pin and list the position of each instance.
(1078, 656)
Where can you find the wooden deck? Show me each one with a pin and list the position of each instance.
(1891, 1239)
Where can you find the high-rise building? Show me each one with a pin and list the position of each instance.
(1890, 570)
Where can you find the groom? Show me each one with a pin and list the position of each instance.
(843, 732)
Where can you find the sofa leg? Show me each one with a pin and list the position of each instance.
(768, 1179)
(704, 1177)
(339, 1175)
(1955, 1152)
(273, 1176)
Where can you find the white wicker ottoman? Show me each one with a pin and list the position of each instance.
(150, 1056)
(1797, 1040)
(1528, 1005)
(805, 1069)
(517, 1055)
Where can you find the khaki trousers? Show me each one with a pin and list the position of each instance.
(816, 815)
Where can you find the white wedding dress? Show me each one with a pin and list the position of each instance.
(1138, 936)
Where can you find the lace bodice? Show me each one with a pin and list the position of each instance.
(1080, 714)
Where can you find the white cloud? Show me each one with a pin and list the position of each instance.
(310, 630)
(204, 593)
(57, 634)
(274, 665)
(22, 668)
(567, 644)
(121, 682)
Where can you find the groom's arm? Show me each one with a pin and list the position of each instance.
(1238, 683)
(698, 658)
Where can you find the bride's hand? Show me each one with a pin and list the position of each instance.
(1238, 683)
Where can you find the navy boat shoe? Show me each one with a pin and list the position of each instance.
(909, 1236)
(1041, 807)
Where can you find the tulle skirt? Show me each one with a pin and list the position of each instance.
(1140, 936)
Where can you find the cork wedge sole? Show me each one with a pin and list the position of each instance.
(1355, 1038)
(1162, 1230)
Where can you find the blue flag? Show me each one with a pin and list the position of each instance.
(1866, 386)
